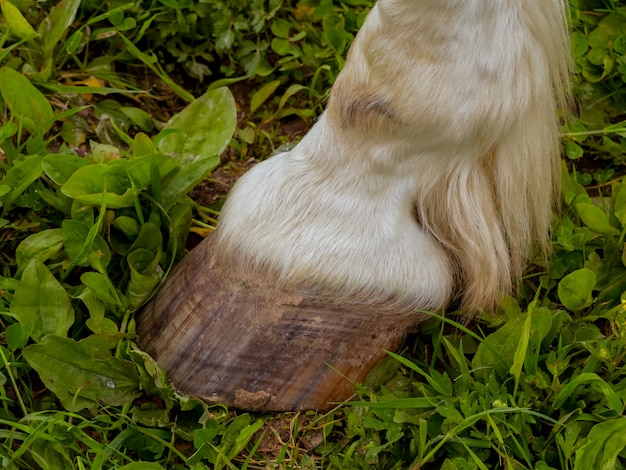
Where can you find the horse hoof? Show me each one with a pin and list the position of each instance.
(251, 346)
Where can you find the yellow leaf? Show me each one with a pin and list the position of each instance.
(203, 232)
(91, 81)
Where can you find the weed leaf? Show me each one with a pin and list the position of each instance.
(186, 179)
(573, 191)
(96, 322)
(206, 126)
(83, 251)
(576, 288)
(56, 24)
(498, 349)
(139, 117)
(51, 454)
(400, 403)
(521, 349)
(237, 435)
(567, 392)
(21, 176)
(59, 168)
(102, 288)
(150, 61)
(604, 443)
(440, 382)
(142, 145)
(25, 101)
(16, 21)
(595, 218)
(17, 336)
(619, 198)
(83, 374)
(145, 275)
(142, 466)
(42, 246)
(181, 217)
(100, 184)
(262, 95)
(41, 303)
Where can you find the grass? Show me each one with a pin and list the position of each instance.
(95, 167)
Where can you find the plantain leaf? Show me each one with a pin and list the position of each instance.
(142, 145)
(42, 246)
(83, 374)
(59, 168)
(186, 179)
(25, 101)
(115, 184)
(21, 176)
(149, 238)
(206, 126)
(181, 216)
(17, 336)
(100, 184)
(139, 117)
(145, 275)
(16, 21)
(54, 27)
(96, 322)
(41, 303)
(103, 290)
(81, 250)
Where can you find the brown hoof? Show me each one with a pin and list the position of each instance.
(253, 347)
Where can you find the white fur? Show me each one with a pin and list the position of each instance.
(433, 172)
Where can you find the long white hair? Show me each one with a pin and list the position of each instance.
(434, 171)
